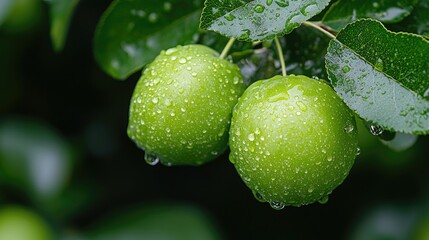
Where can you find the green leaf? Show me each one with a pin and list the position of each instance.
(346, 11)
(259, 19)
(381, 75)
(131, 33)
(418, 21)
(61, 12)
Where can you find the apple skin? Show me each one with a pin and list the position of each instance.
(19, 223)
(292, 140)
(181, 107)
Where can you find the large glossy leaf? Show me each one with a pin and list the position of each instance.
(61, 12)
(381, 75)
(131, 33)
(346, 11)
(258, 19)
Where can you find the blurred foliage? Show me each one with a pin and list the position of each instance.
(65, 157)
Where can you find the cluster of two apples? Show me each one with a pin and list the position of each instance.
(292, 139)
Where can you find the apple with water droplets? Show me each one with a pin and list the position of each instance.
(181, 108)
(292, 140)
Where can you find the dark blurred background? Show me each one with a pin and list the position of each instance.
(65, 156)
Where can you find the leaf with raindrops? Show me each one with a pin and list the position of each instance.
(346, 11)
(382, 75)
(259, 19)
(131, 33)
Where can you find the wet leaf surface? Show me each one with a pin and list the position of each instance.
(381, 76)
(346, 11)
(259, 19)
(131, 33)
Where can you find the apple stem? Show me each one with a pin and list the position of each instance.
(281, 56)
(318, 27)
(227, 48)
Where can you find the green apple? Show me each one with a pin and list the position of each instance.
(181, 107)
(292, 140)
(19, 223)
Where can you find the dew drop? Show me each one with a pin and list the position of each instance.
(375, 130)
(310, 190)
(302, 106)
(403, 113)
(182, 60)
(170, 51)
(358, 151)
(155, 100)
(258, 196)
(346, 69)
(379, 64)
(151, 159)
(230, 17)
(282, 3)
(349, 128)
(259, 8)
(269, 2)
(324, 199)
(251, 137)
(279, 97)
(236, 80)
(277, 205)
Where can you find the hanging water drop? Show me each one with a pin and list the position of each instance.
(258, 196)
(277, 205)
(358, 151)
(375, 130)
(151, 159)
(324, 199)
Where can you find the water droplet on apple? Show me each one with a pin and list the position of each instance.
(277, 205)
(151, 159)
